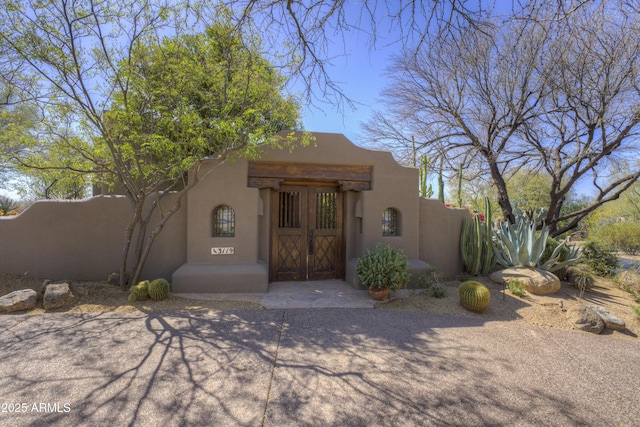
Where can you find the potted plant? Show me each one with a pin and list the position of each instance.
(383, 269)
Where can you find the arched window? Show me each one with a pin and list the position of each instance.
(390, 222)
(224, 221)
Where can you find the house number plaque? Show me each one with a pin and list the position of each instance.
(222, 251)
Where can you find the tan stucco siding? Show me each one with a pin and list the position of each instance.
(440, 229)
(82, 240)
(224, 184)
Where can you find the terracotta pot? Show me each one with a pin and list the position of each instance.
(379, 294)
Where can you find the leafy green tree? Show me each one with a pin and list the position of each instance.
(16, 122)
(41, 159)
(145, 100)
(189, 98)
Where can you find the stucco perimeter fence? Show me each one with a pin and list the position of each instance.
(83, 240)
(440, 229)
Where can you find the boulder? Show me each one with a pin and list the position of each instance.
(536, 281)
(114, 279)
(611, 321)
(24, 299)
(57, 295)
(584, 318)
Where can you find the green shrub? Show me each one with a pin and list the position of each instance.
(629, 280)
(600, 258)
(430, 282)
(158, 289)
(516, 286)
(551, 246)
(463, 278)
(623, 236)
(637, 311)
(580, 278)
(474, 296)
(438, 290)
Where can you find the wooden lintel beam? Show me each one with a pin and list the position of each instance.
(310, 171)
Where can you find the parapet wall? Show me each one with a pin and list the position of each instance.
(83, 240)
(440, 229)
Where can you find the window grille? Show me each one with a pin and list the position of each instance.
(390, 222)
(224, 221)
(289, 214)
(326, 218)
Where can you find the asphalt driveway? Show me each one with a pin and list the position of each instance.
(309, 368)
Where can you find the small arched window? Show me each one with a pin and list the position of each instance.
(224, 221)
(390, 222)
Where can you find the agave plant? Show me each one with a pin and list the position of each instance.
(521, 245)
(6, 205)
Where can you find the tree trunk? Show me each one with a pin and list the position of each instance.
(128, 235)
(503, 195)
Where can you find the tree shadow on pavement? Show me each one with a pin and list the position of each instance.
(299, 367)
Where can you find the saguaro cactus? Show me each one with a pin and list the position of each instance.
(441, 183)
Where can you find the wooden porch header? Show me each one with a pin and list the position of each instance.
(273, 174)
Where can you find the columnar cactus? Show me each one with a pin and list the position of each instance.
(158, 289)
(474, 296)
(476, 245)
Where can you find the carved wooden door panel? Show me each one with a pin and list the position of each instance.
(306, 233)
(325, 233)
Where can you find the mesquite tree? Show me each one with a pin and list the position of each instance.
(557, 94)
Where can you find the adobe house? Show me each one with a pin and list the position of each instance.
(305, 214)
(308, 215)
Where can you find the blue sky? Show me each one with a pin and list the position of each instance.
(359, 68)
(361, 77)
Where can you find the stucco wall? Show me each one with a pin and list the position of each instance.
(82, 240)
(223, 184)
(392, 186)
(440, 229)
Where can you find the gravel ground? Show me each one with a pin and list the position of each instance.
(104, 297)
(547, 311)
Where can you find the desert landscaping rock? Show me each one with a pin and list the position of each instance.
(24, 299)
(537, 282)
(114, 279)
(611, 321)
(584, 318)
(57, 295)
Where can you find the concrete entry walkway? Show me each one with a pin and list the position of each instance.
(311, 294)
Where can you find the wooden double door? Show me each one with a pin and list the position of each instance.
(306, 233)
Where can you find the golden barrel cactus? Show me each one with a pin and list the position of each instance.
(474, 296)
